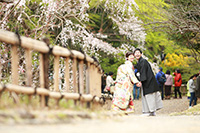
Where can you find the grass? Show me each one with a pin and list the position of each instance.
(6, 101)
(195, 110)
(31, 111)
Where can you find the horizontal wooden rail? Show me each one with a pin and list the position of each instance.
(55, 95)
(40, 46)
(63, 52)
(11, 38)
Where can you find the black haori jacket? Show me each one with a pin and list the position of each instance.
(147, 77)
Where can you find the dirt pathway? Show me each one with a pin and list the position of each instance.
(169, 106)
(163, 122)
(125, 124)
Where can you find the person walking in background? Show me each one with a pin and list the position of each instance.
(151, 99)
(192, 89)
(161, 79)
(136, 90)
(168, 84)
(177, 83)
(109, 81)
(122, 98)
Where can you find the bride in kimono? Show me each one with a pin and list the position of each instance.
(122, 98)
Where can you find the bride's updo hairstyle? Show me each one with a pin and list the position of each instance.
(127, 54)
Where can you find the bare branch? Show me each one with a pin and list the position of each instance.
(7, 1)
(6, 17)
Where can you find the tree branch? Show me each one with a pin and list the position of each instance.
(7, 1)
(6, 17)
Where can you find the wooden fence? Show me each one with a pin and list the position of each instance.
(85, 78)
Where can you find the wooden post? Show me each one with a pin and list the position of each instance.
(95, 105)
(44, 73)
(67, 85)
(74, 69)
(95, 83)
(42, 83)
(88, 82)
(28, 57)
(14, 71)
(56, 73)
(91, 86)
(81, 76)
(99, 83)
(14, 65)
(88, 78)
(92, 82)
(81, 79)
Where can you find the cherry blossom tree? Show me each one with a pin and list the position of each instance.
(65, 22)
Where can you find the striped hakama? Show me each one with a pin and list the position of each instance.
(151, 102)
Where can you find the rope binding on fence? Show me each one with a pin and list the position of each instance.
(80, 96)
(18, 36)
(46, 40)
(35, 91)
(61, 97)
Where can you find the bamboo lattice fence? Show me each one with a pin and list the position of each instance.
(83, 84)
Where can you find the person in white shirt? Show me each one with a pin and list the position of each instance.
(109, 80)
(192, 89)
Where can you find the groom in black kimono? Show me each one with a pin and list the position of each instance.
(151, 99)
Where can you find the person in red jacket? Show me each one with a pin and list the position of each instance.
(177, 83)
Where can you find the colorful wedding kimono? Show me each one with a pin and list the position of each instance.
(124, 86)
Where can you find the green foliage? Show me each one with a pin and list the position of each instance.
(157, 43)
(94, 3)
(195, 110)
(192, 69)
(111, 64)
(158, 40)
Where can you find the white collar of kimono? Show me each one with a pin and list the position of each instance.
(129, 63)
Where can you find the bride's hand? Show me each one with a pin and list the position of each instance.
(138, 84)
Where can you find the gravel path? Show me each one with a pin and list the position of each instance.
(169, 106)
